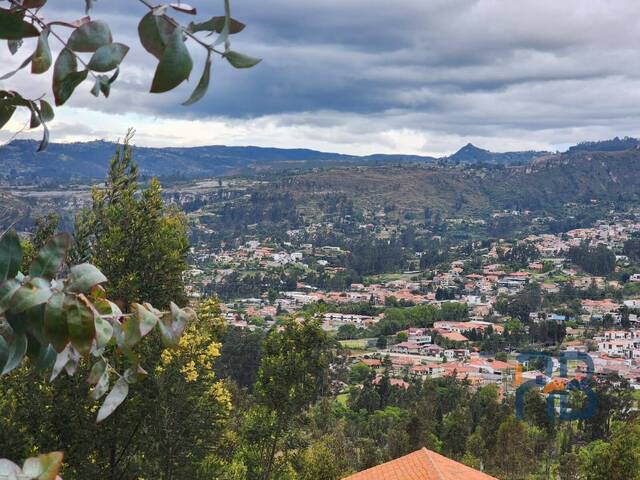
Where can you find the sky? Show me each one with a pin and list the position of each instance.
(373, 76)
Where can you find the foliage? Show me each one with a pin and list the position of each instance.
(42, 467)
(56, 322)
(137, 241)
(160, 34)
(597, 260)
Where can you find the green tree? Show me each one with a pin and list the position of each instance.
(138, 242)
(293, 375)
(516, 457)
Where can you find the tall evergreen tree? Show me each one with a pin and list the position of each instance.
(138, 242)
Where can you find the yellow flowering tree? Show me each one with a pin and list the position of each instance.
(193, 404)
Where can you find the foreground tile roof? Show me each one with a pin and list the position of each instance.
(421, 465)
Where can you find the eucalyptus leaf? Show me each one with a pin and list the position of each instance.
(90, 37)
(27, 297)
(17, 351)
(7, 109)
(14, 27)
(174, 66)
(55, 322)
(14, 46)
(216, 24)
(81, 323)
(10, 255)
(7, 289)
(101, 387)
(108, 57)
(63, 83)
(116, 396)
(104, 331)
(10, 74)
(240, 60)
(51, 257)
(203, 84)
(83, 277)
(46, 111)
(42, 58)
(96, 372)
(154, 32)
(44, 467)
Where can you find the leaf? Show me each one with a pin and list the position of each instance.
(216, 24)
(135, 375)
(184, 8)
(146, 319)
(42, 59)
(33, 3)
(55, 322)
(44, 467)
(83, 277)
(203, 84)
(26, 62)
(108, 57)
(4, 352)
(45, 138)
(240, 60)
(28, 296)
(80, 322)
(7, 289)
(17, 350)
(116, 396)
(35, 327)
(154, 32)
(10, 255)
(46, 359)
(174, 67)
(75, 24)
(61, 361)
(88, 5)
(131, 330)
(7, 109)
(51, 257)
(90, 37)
(13, 26)
(35, 115)
(104, 331)
(172, 325)
(66, 77)
(9, 470)
(46, 112)
(14, 46)
(96, 372)
(101, 387)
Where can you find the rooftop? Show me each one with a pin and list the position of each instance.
(421, 465)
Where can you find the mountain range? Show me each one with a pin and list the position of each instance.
(89, 161)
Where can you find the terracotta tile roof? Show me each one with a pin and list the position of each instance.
(421, 465)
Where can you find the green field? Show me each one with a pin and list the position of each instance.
(358, 344)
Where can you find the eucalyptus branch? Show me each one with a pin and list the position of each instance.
(33, 16)
(177, 24)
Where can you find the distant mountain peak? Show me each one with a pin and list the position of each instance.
(473, 154)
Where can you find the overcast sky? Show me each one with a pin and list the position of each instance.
(365, 76)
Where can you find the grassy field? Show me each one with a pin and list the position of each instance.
(359, 344)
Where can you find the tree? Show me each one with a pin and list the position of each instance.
(45, 228)
(516, 457)
(63, 323)
(293, 374)
(160, 34)
(137, 242)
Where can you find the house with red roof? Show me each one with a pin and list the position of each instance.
(421, 465)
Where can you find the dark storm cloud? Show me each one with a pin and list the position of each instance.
(516, 72)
